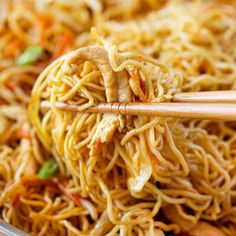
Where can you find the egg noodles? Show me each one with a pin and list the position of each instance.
(78, 173)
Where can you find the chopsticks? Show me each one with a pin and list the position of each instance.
(219, 105)
(9, 230)
(228, 96)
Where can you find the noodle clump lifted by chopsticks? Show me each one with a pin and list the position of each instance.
(114, 174)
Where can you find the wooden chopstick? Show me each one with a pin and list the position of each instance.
(228, 96)
(9, 230)
(208, 111)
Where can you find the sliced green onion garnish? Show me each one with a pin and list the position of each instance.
(48, 169)
(30, 55)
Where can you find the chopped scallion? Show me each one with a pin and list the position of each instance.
(48, 169)
(30, 55)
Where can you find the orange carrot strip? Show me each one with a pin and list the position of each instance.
(2, 102)
(136, 78)
(16, 200)
(22, 133)
(98, 143)
(85, 151)
(39, 182)
(54, 184)
(45, 22)
(10, 84)
(72, 197)
(154, 160)
(12, 47)
(62, 44)
(143, 86)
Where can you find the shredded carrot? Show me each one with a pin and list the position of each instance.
(53, 184)
(136, 78)
(62, 44)
(16, 200)
(22, 133)
(45, 22)
(2, 101)
(98, 143)
(142, 86)
(154, 160)
(39, 182)
(10, 84)
(12, 47)
(85, 151)
(72, 197)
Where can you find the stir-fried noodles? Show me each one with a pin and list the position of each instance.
(67, 173)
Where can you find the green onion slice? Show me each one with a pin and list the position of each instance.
(30, 55)
(48, 169)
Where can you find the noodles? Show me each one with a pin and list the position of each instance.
(115, 174)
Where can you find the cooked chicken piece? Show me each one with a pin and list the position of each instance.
(99, 57)
(192, 229)
(205, 229)
(116, 88)
(124, 91)
(102, 226)
(104, 132)
(172, 214)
